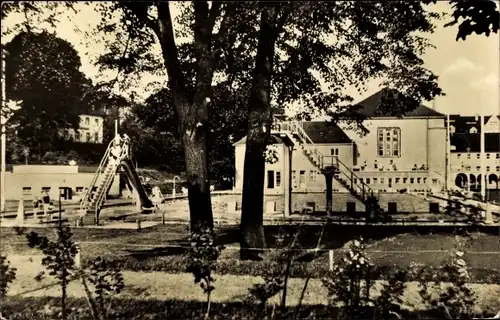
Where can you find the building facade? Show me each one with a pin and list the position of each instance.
(465, 157)
(91, 129)
(396, 154)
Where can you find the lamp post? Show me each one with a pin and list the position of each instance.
(483, 161)
(173, 191)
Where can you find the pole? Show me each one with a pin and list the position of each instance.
(483, 162)
(447, 170)
(3, 138)
(60, 207)
(116, 127)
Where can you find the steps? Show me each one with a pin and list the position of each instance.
(325, 164)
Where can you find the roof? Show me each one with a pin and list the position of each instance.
(98, 113)
(370, 107)
(318, 131)
(463, 124)
(462, 141)
(243, 140)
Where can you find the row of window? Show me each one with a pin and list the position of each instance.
(478, 168)
(28, 190)
(389, 142)
(87, 121)
(274, 177)
(390, 181)
(78, 137)
(478, 155)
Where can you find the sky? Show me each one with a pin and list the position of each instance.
(469, 71)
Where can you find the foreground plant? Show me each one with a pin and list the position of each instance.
(349, 282)
(7, 276)
(202, 260)
(456, 298)
(59, 258)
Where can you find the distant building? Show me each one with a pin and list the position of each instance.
(91, 128)
(397, 153)
(465, 159)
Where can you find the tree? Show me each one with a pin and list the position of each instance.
(43, 71)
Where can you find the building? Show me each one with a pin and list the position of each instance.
(91, 128)
(407, 153)
(465, 157)
(29, 181)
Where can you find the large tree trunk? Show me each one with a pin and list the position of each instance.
(259, 125)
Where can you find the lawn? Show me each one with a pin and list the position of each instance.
(162, 248)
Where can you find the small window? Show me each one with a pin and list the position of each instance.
(458, 155)
(77, 136)
(375, 180)
(405, 180)
(87, 136)
(497, 156)
(487, 156)
(478, 156)
(425, 180)
(360, 180)
(332, 152)
(396, 180)
(97, 122)
(434, 181)
(87, 121)
(278, 178)
(419, 180)
(467, 168)
(26, 191)
(79, 189)
(497, 169)
(367, 180)
(468, 155)
(412, 180)
(478, 168)
(487, 168)
(312, 175)
(382, 180)
(355, 181)
(45, 189)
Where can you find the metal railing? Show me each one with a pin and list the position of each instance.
(86, 199)
(101, 196)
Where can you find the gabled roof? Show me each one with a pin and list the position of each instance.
(462, 141)
(463, 124)
(318, 131)
(370, 107)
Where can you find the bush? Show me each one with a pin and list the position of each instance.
(7, 275)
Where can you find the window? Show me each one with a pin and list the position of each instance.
(467, 168)
(96, 138)
(419, 180)
(382, 180)
(26, 191)
(79, 189)
(396, 180)
(334, 152)
(458, 155)
(412, 180)
(312, 175)
(45, 189)
(425, 180)
(355, 180)
(367, 180)
(294, 177)
(468, 155)
(434, 181)
(278, 179)
(487, 168)
(87, 121)
(405, 180)
(302, 177)
(270, 179)
(487, 156)
(497, 169)
(478, 168)
(87, 136)
(96, 122)
(77, 136)
(361, 180)
(498, 156)
(479, 156)
(375, 180)
(389, 142)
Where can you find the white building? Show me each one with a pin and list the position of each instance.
(91, 128)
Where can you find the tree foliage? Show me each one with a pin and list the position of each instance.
(43, 71)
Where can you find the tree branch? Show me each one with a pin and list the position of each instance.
(163, 29)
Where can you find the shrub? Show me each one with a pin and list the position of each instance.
(59, 258)
(202, 260)
(7, 275)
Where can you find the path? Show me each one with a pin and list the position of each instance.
(162, 286)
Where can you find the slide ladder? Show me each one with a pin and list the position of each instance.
(104, 176)
(325, 164)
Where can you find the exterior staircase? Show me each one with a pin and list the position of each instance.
(105, 174)
(294, 131)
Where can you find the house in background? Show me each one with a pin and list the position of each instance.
(91, 128)
(397, 153)
(465, 158)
